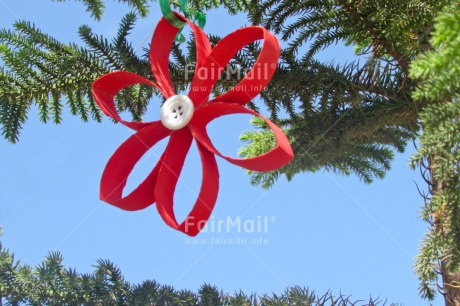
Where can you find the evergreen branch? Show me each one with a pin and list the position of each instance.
(124, 49)
(51, 283)
(100, 46)
(378, 39)
(96, 7)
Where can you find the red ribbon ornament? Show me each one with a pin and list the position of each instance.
(159, 186)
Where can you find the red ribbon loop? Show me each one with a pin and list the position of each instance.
(106, 87)
(254, 81)
(160, 49)
(173, 161)
(121, 164)
(277, 157)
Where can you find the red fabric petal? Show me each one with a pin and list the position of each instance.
(106, 87)
(275, 158)
(173, 161)
(254, 81)
(121, 164)
(160, 49)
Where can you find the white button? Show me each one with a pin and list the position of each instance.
(176, 112)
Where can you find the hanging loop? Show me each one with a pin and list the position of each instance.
(197, 16)
(169, 15)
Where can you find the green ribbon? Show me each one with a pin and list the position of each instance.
(169, 15)
(200, 17)
(196, 16)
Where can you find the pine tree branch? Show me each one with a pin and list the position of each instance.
(378, 40)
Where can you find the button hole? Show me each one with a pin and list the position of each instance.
(180, 107)
(181, 113)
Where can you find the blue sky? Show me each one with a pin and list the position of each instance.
(323, 231)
